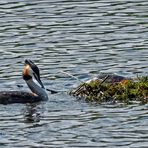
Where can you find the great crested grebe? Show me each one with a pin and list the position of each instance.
(38, 92)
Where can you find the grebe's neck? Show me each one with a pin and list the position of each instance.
(41, 92)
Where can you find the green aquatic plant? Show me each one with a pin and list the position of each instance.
(126, 90)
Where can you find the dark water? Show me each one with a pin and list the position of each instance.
(83, 38)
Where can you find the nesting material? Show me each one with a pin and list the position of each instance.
(103, 90)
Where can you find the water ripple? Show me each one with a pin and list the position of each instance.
(83, 38)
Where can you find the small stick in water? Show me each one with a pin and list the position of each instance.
(71, 76)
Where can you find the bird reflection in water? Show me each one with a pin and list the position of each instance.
(32, 113)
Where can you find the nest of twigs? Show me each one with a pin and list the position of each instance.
(126, 90)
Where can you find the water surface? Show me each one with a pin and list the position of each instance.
(83, 38)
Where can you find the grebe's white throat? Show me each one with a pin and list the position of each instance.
(37, 90)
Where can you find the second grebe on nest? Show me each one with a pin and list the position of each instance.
(38, 92)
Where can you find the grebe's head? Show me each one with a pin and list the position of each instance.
(31, 70)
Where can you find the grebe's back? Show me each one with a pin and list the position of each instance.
(8, 97)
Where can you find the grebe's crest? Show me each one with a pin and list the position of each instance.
(31, 70)
(34, 67)
(27, 73)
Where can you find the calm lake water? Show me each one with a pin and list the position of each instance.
(83, 38)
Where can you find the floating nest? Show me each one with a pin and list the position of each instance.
(113, 88)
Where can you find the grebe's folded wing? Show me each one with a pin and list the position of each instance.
(8, 97)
